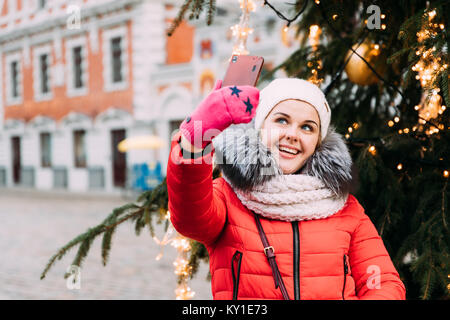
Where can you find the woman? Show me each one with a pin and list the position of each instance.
(280, 222)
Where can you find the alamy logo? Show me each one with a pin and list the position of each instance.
(74, 19)
(374, 20)
(74, 279)
(374, 280)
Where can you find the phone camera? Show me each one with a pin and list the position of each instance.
(234, 59)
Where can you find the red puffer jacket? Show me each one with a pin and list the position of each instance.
(339, 257)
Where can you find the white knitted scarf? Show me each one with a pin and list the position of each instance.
(292, 198)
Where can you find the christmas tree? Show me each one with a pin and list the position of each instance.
(383, 66)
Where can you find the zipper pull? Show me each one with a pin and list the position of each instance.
(345, 264)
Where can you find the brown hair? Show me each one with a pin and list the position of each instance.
(319, 142)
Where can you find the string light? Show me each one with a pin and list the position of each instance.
(314, 34)
(182, 267)
(445, 174)
(399, 166)
(181, 263)
(316, 64)
(428, 68)
(372, 150)
(431, 15)
(242, 30)
(183, 292)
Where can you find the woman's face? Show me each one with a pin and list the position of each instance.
(291, 132)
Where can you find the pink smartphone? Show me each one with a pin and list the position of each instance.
(243, 70)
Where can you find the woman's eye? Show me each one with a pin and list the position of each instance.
(281, 120)
(308, 127)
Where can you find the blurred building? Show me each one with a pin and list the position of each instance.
(79, 76)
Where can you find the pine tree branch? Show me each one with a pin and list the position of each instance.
(85, 239)
(428, 280)
(154, 202)
(180, 16)
(196, 10)
(350, 47)
(445, 87)
(211, 12)
(444, 193)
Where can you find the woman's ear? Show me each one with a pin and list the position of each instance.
(319, 142)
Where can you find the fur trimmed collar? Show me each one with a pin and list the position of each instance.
(245, 162)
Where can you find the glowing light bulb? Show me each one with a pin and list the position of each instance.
(431, 14)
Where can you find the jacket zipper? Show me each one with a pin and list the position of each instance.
(345, 276)
(236, 275)
(296, 260)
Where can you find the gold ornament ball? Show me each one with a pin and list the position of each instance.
(357, 70)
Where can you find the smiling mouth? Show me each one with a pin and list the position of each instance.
(288, 151)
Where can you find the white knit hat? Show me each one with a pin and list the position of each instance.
(292, 88)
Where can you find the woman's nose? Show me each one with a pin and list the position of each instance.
(292, 134)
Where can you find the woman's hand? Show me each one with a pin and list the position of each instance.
(221, 108)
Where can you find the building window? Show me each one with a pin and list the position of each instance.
(43, 62)
(79, 148)
(46, 150)
(77, 67)
(116, 52)
(115, 59)
(42, 4)
(15, 79)
(42, 73)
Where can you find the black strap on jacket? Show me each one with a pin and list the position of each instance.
(269, 251)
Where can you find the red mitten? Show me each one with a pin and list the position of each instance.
(221, 108)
